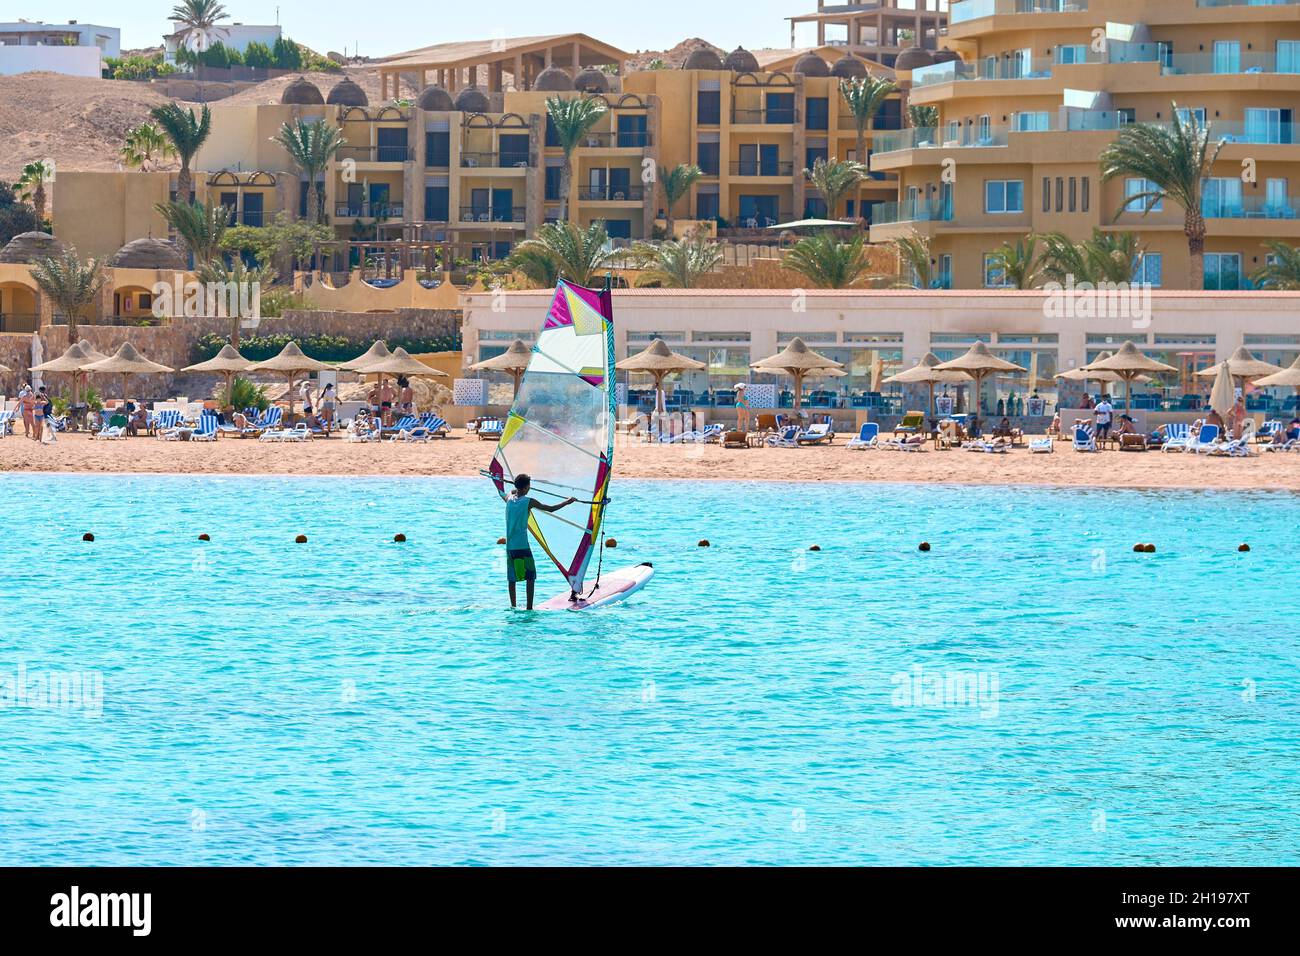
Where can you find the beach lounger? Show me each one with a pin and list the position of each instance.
(1205, 440)
(867, 437)
(1041, 446)
(163, 422)
(999, 446)
(209, 428)
(7, 422)
(299, 432)
(1177, 436)
(735, 439)
(906, 443)
(490, 429)
(1268, 430)
(1237, 447)
(438, 427)
(110, 432)
(269, 420)
(404, 424)
(787, 437)
(817, 434)
(1084, 438)
(912, 423)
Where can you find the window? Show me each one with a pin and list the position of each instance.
(1227, 56)
(706, 206)
(1004, 195)
(1187, 114)
(553, 183)
(1060, 194)
(1047, 194)
(552, 137)
(1072, 53)
(1221, 197)
(1267, 125)
(994, 276)
(985, 127)
(632, 131)
(1222, 270)
(437, 207)
(819, 112)
(392, 145)
(437, 149)
(812, 154)
(1136, 186)
(618, 228)
(1073, 193)
(1084, 195)
(1147, 269)
(1277, 202)
(780, 108)
(1036, 122)
(814, 207)
(514, 150)
(1288, 56)
(954, 132)
(1125, 115)
(709, 107)
(708, 156)
(1021, 64)
(944, 276)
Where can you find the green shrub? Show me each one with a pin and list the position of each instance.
(325, 348)
(259, 55)
(244, 394)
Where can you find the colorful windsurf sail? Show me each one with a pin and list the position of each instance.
(560, 430)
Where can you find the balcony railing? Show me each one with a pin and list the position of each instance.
(942, 138)
(1260, 133)
(611, 193)
(624, 139)
(911, 210)
(515, 214)
(759, 167)
(977, 9)
(767, 116)
(1250, 207)
(19, 322)
(1246, 3)
(377, 154)
(1018, 68)
(368, 210)
(506, 160)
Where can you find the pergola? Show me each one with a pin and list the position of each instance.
(454, 66)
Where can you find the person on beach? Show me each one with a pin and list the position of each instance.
(519, 553)
(387, 395)
(40, 407)
(1238, 416)
(406, 396)
(742, 409)
(27, 403)
(1101, 416)
(308, 397)
(138, 423)
(1215, 419)
(1087, 402)
(328, 404)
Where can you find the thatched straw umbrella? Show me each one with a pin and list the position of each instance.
(400, 364)
(1288, 376)
(72, 362)
(927, 372)
(126, 362)
(1243, 367)
(1101, 378)
(659, 361)
(292, 363)
(375, 353)
(800, 362)
(513, 360)
(979, 363)
(228, 362)
(1128, 363)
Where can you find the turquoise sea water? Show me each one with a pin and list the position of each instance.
(355, 701)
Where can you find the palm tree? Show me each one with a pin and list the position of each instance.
(201, 227)
(1176, 161)
(828, 263)
(922, 117)
(677, 264)
(834, 180)
(71, 285)
(572, 119)
(145, 145)
(187, 134)
(31, 185)
(864, 96)
(915, 268)
(1019, 263)
(237, 274)
(576, 254)
(536, 264)
(311, 146)
(1105, 257)
(1283, 271)
(676, 183)
(199, 22)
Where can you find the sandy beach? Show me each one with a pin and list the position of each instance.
(462, 455)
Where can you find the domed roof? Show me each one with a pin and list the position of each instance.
(810, 64)
(849, 67)
(147, 253)
(913, 58)
(553, 80)
(302, 93)
(473, 100)
(29, 247)
(436, 100)
(348, 93)
(703, 59)
(591, 80)
(741, 60)
(945, 56)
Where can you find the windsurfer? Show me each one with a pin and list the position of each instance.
(519, 555)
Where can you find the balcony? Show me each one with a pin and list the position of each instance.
(1019, 68)
(514, 215)
(624, 139)
(1250, 207)
(931, 138)
(506, 160)
(1247, 3)
(758, 167)
(19, 322)
(1256, 133)
(377, 154)
(768, 116)
(978, 9)
(377, 210)
(911, 210)
(611, 193)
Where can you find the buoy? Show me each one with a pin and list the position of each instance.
(611, 543)
(1149, 548)
(205, 537)
(704, 543)
(501, 540)
(301, 539)
(87, 537)
(1243, 547)
(923, 546)
(399, 539)
(815, 547)
(1139, 547)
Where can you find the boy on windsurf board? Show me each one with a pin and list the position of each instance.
(519, 554)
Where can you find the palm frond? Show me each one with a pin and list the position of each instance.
(828, 263)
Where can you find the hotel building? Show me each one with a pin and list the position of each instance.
(1041, 86)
